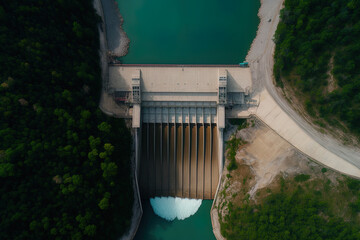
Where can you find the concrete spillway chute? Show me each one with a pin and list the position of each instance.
(179, 113)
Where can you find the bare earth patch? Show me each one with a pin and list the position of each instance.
(331, 80)
(263, 162)
(265, 156)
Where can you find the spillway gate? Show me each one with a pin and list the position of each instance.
(178, 113)
(179, 160)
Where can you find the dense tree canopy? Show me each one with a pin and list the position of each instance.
(316, 39)
(64, 166)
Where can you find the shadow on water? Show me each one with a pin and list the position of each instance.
(112, 24)
(198, 226)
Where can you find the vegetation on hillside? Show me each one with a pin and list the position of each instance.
(64, 166)
(231, 147)
(276, 192)
(318, 40)
(305, 209)
(234, 143)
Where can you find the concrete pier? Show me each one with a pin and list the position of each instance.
(182, 163)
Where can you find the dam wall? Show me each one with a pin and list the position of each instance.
(178, 113)
(179, 160)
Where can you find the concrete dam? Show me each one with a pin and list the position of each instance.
(179, 160)
(178, 114)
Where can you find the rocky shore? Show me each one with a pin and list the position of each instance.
(118, 41)
(268, 12)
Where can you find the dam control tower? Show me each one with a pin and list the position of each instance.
(178, 112)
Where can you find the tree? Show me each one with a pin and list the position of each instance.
(104, 127)
(109, 169)
(104, 203)
(50, 140)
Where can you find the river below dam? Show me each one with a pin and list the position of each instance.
(186, 32)
(198, 226)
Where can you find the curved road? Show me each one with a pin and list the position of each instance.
(261, 58)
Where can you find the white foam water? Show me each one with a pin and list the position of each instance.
(170, 208)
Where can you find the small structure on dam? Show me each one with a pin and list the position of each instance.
(179, 115)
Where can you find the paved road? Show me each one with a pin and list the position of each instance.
(350, 154)
(262, 62)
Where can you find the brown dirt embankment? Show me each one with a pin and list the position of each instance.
(265, 162)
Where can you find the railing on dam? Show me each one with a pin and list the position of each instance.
(176, 65)
(179, 160)
(179, 112)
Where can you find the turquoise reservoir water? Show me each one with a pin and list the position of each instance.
(197, 227)
(189, 31)
(186, 32)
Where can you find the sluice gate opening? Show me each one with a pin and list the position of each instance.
(179, 160)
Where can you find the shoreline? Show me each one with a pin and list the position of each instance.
(137, 210)
(261, 47)
(118, 41)
(124, 39)
(253, 43)
(261, 50)
(268, 10)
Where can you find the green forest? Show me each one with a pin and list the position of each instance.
(299, 210)
(64, 165)
(316, 39)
